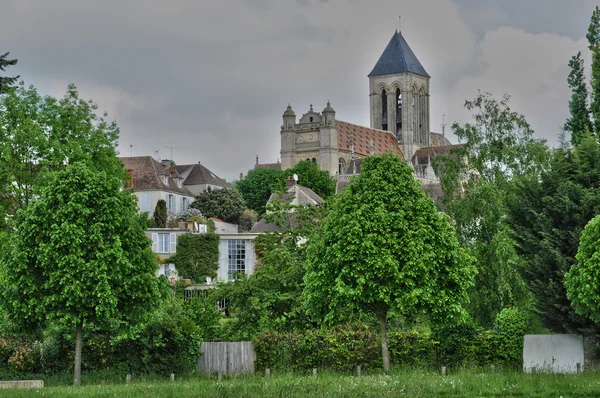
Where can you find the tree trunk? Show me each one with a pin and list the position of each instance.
(385, 353)
(78, 342)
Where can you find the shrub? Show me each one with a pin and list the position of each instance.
(510, 326)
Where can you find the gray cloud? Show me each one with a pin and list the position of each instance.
(211, 78)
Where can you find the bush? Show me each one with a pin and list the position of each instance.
(456, 345)
(510, 326)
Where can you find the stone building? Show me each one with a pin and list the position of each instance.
(399, 110)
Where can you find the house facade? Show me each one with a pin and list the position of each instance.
(152, 181)
(197, 178)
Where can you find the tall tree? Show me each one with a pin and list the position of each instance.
(579, 123)
(6, 82)
(547, 215)
(258, 185)
(41, 134)
(160, 214)
(79, 255)
(310, 176)
(593, 37)
(384, 249)
(226, 204)
(477, 179)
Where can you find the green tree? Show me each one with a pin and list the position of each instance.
(258, 185)
(477, 179)
(225, 204)
(593, 37)
(579, 122)
(247, 220)
(547, 215)
(79, 255)
(41, 134)
(6, 82)
(160, 214)
(385, 249)
(197, 256)
(310, 176)
(583, 279)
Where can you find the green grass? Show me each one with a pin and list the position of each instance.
(409, 383)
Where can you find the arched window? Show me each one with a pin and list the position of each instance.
(398, 114)
(314, 160)
(341, 166)
(311, 119)
(384, 121)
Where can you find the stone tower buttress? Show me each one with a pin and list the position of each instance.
(328, 137)
(288, 138)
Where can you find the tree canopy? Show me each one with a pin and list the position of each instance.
(258, 185)
(383, 249)
(225, 204)
(79, 255)
(310, 176)
(6, 83)
(197, 256)
(579, 123)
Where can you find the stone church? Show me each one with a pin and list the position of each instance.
(399, 102)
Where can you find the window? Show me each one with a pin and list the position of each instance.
(341, 166)
(166, 180)
(179, 182)
(237, 258)
(163, 243)
(144, 202)
(171, 204)
(384, 110)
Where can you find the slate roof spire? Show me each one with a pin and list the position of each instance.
(398, 58)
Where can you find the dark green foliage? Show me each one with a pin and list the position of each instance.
(583, 280)
(593, 37)
(247, 220)
(160, 214)
(225, 204)
(310, 176)
(579, 123)
(547, 216)
(6, 82)
(197, 256)
(456, 344)
(257, 186)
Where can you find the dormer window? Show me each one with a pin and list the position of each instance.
(166, 180)
(179, 182)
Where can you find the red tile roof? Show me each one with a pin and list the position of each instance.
(148, 174)
(363, 136)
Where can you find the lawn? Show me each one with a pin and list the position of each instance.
(409, 383)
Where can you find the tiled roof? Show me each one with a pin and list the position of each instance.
(276, 166)
(194, 174)
(302, 194)
(398, 58)
(148, 174)
(263, 226)
(421, 156)
(439, 140)
(363, 136)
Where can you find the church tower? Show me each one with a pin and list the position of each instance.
(399, 96)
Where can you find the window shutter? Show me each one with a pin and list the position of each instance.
(173, 242)
(155, 242)
(181, 209)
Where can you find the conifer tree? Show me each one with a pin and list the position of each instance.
(593, 37)
(6, 82)
(579, 122)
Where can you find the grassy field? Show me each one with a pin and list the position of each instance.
(409, 383)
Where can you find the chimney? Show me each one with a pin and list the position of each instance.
(181, 224)
(290, 182)
(166, 163)
(131, 180)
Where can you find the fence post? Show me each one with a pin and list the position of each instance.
(314, 372)
(443, 371)
(493, 368)
(127, 379)
(172, 377)
(220, 376)
(533, 370)
(578, 368)
(358, 370)
(267, 372)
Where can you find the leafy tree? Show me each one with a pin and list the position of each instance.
(160, 214)
(477, 178)
(247, 220)
(384, 249)
(226, 204)
(547, 215)
(41, 134)
(593, 37)
(7, 82)
(583, 279)
(257, 186)
(79, 255)
(579, 122)
(310, 176)
(197, 256)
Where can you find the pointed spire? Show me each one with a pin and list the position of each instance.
(398, 58)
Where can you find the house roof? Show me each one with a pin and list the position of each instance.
(422, 155)
(398, 58)
(148, 175)
(303, 196)
(363, 137)
(263, 226)
(439, 140)
(195, 174)
(276, 166)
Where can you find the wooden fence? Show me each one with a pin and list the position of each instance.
(227, 358)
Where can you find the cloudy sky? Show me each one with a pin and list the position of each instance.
(211, 78)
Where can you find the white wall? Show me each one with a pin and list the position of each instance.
(556, 353)
(147, 200)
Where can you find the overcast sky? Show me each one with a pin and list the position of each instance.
(211, 78)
